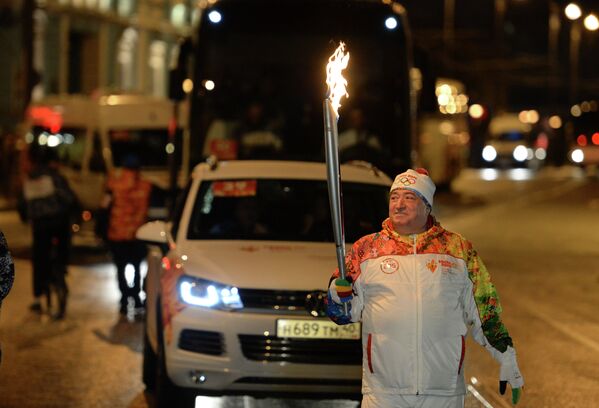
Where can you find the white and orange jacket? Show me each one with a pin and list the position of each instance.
(416, 297)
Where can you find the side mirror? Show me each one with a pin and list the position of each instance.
(154, 232)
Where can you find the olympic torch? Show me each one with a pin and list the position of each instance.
(336, 89)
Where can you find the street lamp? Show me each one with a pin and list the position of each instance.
(591, 22)
(573, 13)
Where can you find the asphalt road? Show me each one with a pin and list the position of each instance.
(537, 236)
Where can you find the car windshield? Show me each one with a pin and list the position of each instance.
(283, 210)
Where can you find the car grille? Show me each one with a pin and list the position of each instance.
(199, 341)
(283, 300)
(306, 351)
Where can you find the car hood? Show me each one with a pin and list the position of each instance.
(260, 264)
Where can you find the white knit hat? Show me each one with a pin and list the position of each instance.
(417, 181)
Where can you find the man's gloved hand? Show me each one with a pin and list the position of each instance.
(510, 373)
(344, 289)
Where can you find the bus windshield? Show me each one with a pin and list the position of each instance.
(260, 80)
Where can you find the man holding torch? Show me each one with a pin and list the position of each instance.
(416, 287)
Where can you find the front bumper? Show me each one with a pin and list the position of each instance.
(228, 371)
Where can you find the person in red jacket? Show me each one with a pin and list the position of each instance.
(418, 289)
(128, 197)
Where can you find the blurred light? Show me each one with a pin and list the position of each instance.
(541, 153)
(530, 154)
(489, 174)
(43, 139)
(520, 174)
(489, 153)
(520, 153)
(178, 13)
(542, 140)
(581, 140)
(75, 227)
(170, 148)
(86, 215)
(69, 138)
(187, 85)
(215, 16)
(391, 23)
(54, 140)
(532, 116)
(446, 127)
(476, 111)
(585, 107)
(522, 116)
(443, 99)
(591, 22)
(473, 380)
(266, 333)
(29, 137)
(555, 122)
(572, 11)
(209, 85)
(575, 111)
(112, 100)
(595, 138)
(577, 156)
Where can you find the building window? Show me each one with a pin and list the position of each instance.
(158, 67)
(127, 57)
(126, 7)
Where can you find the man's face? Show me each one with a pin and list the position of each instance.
(407, 212)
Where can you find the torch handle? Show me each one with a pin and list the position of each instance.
(334, 185)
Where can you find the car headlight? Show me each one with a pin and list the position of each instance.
(489, 153)
(205, 293)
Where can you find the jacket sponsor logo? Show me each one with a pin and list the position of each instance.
(389, 265)
(447, 264)
(432, 265)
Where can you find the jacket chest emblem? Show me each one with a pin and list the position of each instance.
(389, 265)
(432, 265)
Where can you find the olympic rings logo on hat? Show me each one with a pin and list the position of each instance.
(407, 180)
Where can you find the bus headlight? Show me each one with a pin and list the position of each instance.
(205, 293)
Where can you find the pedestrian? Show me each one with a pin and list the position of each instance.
(127, 198)
(417, 288)
(48, 202)
(7, 273)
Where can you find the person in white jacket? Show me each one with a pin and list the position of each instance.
(417, 289)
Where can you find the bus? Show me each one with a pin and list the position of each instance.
(258, 80)
(93, 134)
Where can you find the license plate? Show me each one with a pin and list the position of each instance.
(317, 329)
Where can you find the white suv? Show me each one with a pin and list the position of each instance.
(236, 282)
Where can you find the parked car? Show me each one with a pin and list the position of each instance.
(237, 279)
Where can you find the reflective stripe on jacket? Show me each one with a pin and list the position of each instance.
(416, 296)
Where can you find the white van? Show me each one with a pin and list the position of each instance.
(92, 135)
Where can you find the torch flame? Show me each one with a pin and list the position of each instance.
(335, 80)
